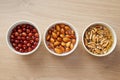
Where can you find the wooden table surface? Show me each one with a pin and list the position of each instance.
(44, 66)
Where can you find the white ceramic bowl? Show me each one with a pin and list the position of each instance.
(66, 53)
(10, 30)
(114, 39)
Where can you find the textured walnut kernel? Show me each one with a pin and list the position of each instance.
(98, 39)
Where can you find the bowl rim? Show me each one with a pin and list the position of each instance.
(113, 34)
(71, 26)
(14, 25)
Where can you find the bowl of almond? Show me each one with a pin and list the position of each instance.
(61, 38)
(99, 39)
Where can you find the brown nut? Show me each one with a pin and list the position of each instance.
(49, 31)
(73, 36)
(55, 31)
(68, 44)
(58, 33)
(67, 28)
(67, 49)
(72, 32)
(54, 35)
(62, 25)
(56, 43)
(48, 37)
(68, 36)
(57, 27)
(66, 39)
(62, 35)
(52, 40)
(62, 31)
(59, 39)
(50, 46)
(62, 48)
(63, 43)
(58, 50)
(71, 46)
(73, 41)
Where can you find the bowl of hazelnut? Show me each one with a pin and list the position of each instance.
(99, 39)
(23, 37)
(61, 38)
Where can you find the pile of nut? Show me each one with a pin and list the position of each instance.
(98, 39)
(60, 38)
(24, 38)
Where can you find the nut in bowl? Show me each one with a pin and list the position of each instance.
(61, 38)
(99, 39)
(23, 37)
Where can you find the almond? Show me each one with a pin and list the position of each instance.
(62, 35)
(71, 46)
(67, 28)
(50, 46)
(56, 43)
(66, 39)
(72, 32)
(58, 50)
(62, 25)
(62, 48)
(63, 44)
(68, 44)
(49, 32)
(55, 31)
(67, 33)
(59, 39)
(73, 41)
(68, 36)
(54, 35)
(57, 27)
(73, 36)
(67, 49)
(52, 40)
(62, 31)
(48, 37)
(58, 33)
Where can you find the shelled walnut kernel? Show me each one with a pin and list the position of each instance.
(98, 39)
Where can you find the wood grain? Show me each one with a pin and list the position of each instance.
(42, 65)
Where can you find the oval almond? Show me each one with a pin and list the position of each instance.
(66, 39)
(54, 35)
(58, 50)
(68, 44)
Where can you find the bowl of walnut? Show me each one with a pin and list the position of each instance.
(99, 39)
(61, 38)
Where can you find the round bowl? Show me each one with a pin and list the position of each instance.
(65, 53)
(113, 35)
(9, 33)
